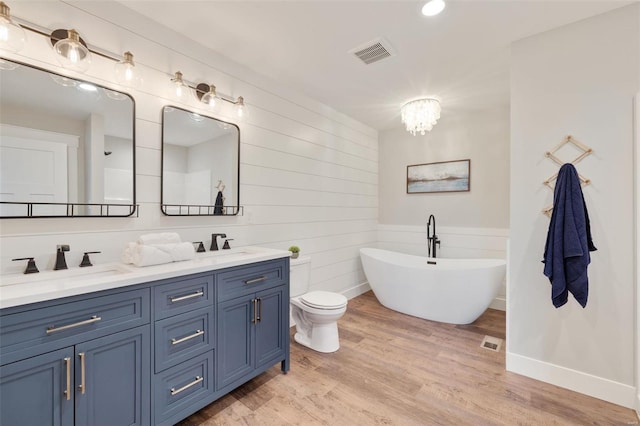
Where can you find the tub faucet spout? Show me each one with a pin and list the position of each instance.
(432, 237)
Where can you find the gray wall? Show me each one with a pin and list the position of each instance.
(581, 80)
(483, 137)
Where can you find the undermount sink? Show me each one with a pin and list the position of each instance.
(222, 256)
(91, 272)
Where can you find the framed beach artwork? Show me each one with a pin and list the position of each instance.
(445, 176)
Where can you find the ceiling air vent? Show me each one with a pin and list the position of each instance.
(373, 51)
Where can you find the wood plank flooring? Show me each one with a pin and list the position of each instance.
(394, 369)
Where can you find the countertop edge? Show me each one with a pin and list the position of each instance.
(28, 293)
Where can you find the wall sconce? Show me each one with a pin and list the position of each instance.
(126, 73)
(181, 90)
(12, 36)
(72, 51)
(74, 54)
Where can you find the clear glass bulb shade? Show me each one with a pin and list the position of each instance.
(72, 54)
(211, 99)
(241, 111)
(180, 89)
(421, 115)
(12, 35)
(126, 72)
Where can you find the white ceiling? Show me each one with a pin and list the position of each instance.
(460, 56)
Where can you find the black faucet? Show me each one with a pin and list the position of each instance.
(86, 261)
(214, 241)
(61, 262)
(31, 265)
(432, 238)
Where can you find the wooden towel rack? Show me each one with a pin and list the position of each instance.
(586, 151)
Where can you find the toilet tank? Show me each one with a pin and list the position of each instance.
(299, 275)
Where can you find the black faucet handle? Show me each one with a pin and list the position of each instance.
(200, 248)
(85, 258)
(31, 265)
(226, 245)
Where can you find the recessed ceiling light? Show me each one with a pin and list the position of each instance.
(433, 7)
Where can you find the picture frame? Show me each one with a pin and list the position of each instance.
(443, 176)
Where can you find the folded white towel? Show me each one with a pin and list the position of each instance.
(157, 254)
(178, 252)
(128, 253)
(160, 238)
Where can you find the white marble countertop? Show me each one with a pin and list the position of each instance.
(22, 289)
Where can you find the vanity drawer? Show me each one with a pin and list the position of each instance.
(180, 296)
(182, 388)
(245, 280)
(183, 336)
(32, 332)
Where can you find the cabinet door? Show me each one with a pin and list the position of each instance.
(112, 379)
(234, 346)
(34, 391)
(270, 327)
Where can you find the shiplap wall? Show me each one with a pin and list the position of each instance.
(309, 175)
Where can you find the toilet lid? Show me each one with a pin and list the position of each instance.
(323, 300)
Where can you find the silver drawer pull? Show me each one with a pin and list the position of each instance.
(175, 341)
(67, 391)
(175, 391)
(255, 280)
(188, 296)
(93, 319)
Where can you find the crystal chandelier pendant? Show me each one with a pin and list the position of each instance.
(421, 115)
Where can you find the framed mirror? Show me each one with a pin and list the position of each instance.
(200, 165)
(67, 147)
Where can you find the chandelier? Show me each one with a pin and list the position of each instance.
(421, 115)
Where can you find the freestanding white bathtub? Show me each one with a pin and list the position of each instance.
(455, 291)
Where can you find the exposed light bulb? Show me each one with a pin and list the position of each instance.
(126, 72)
(72, 53)
(433, 7)
(241, 109)
(12, 35)
(210, 98)
(181, 90)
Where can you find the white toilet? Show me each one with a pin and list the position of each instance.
(316, 313)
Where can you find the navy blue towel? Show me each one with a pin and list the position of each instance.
(217, 208)
(566, 252)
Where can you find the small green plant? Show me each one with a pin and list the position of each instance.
(294, 249)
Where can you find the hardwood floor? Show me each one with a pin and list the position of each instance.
(393, 369)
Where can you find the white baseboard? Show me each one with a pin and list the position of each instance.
(597, 387)
(357, 290)
(499, 303)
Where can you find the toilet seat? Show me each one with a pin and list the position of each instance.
(324, 300)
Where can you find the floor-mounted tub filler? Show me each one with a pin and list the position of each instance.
(455, 291)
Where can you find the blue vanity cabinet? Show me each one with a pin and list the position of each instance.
(252, 321)
(111, 379)
(184, 347)
(38, 390)
(99, 376)
(147, 354)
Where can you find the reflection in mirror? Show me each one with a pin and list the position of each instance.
(66, 146)
(200, 164)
